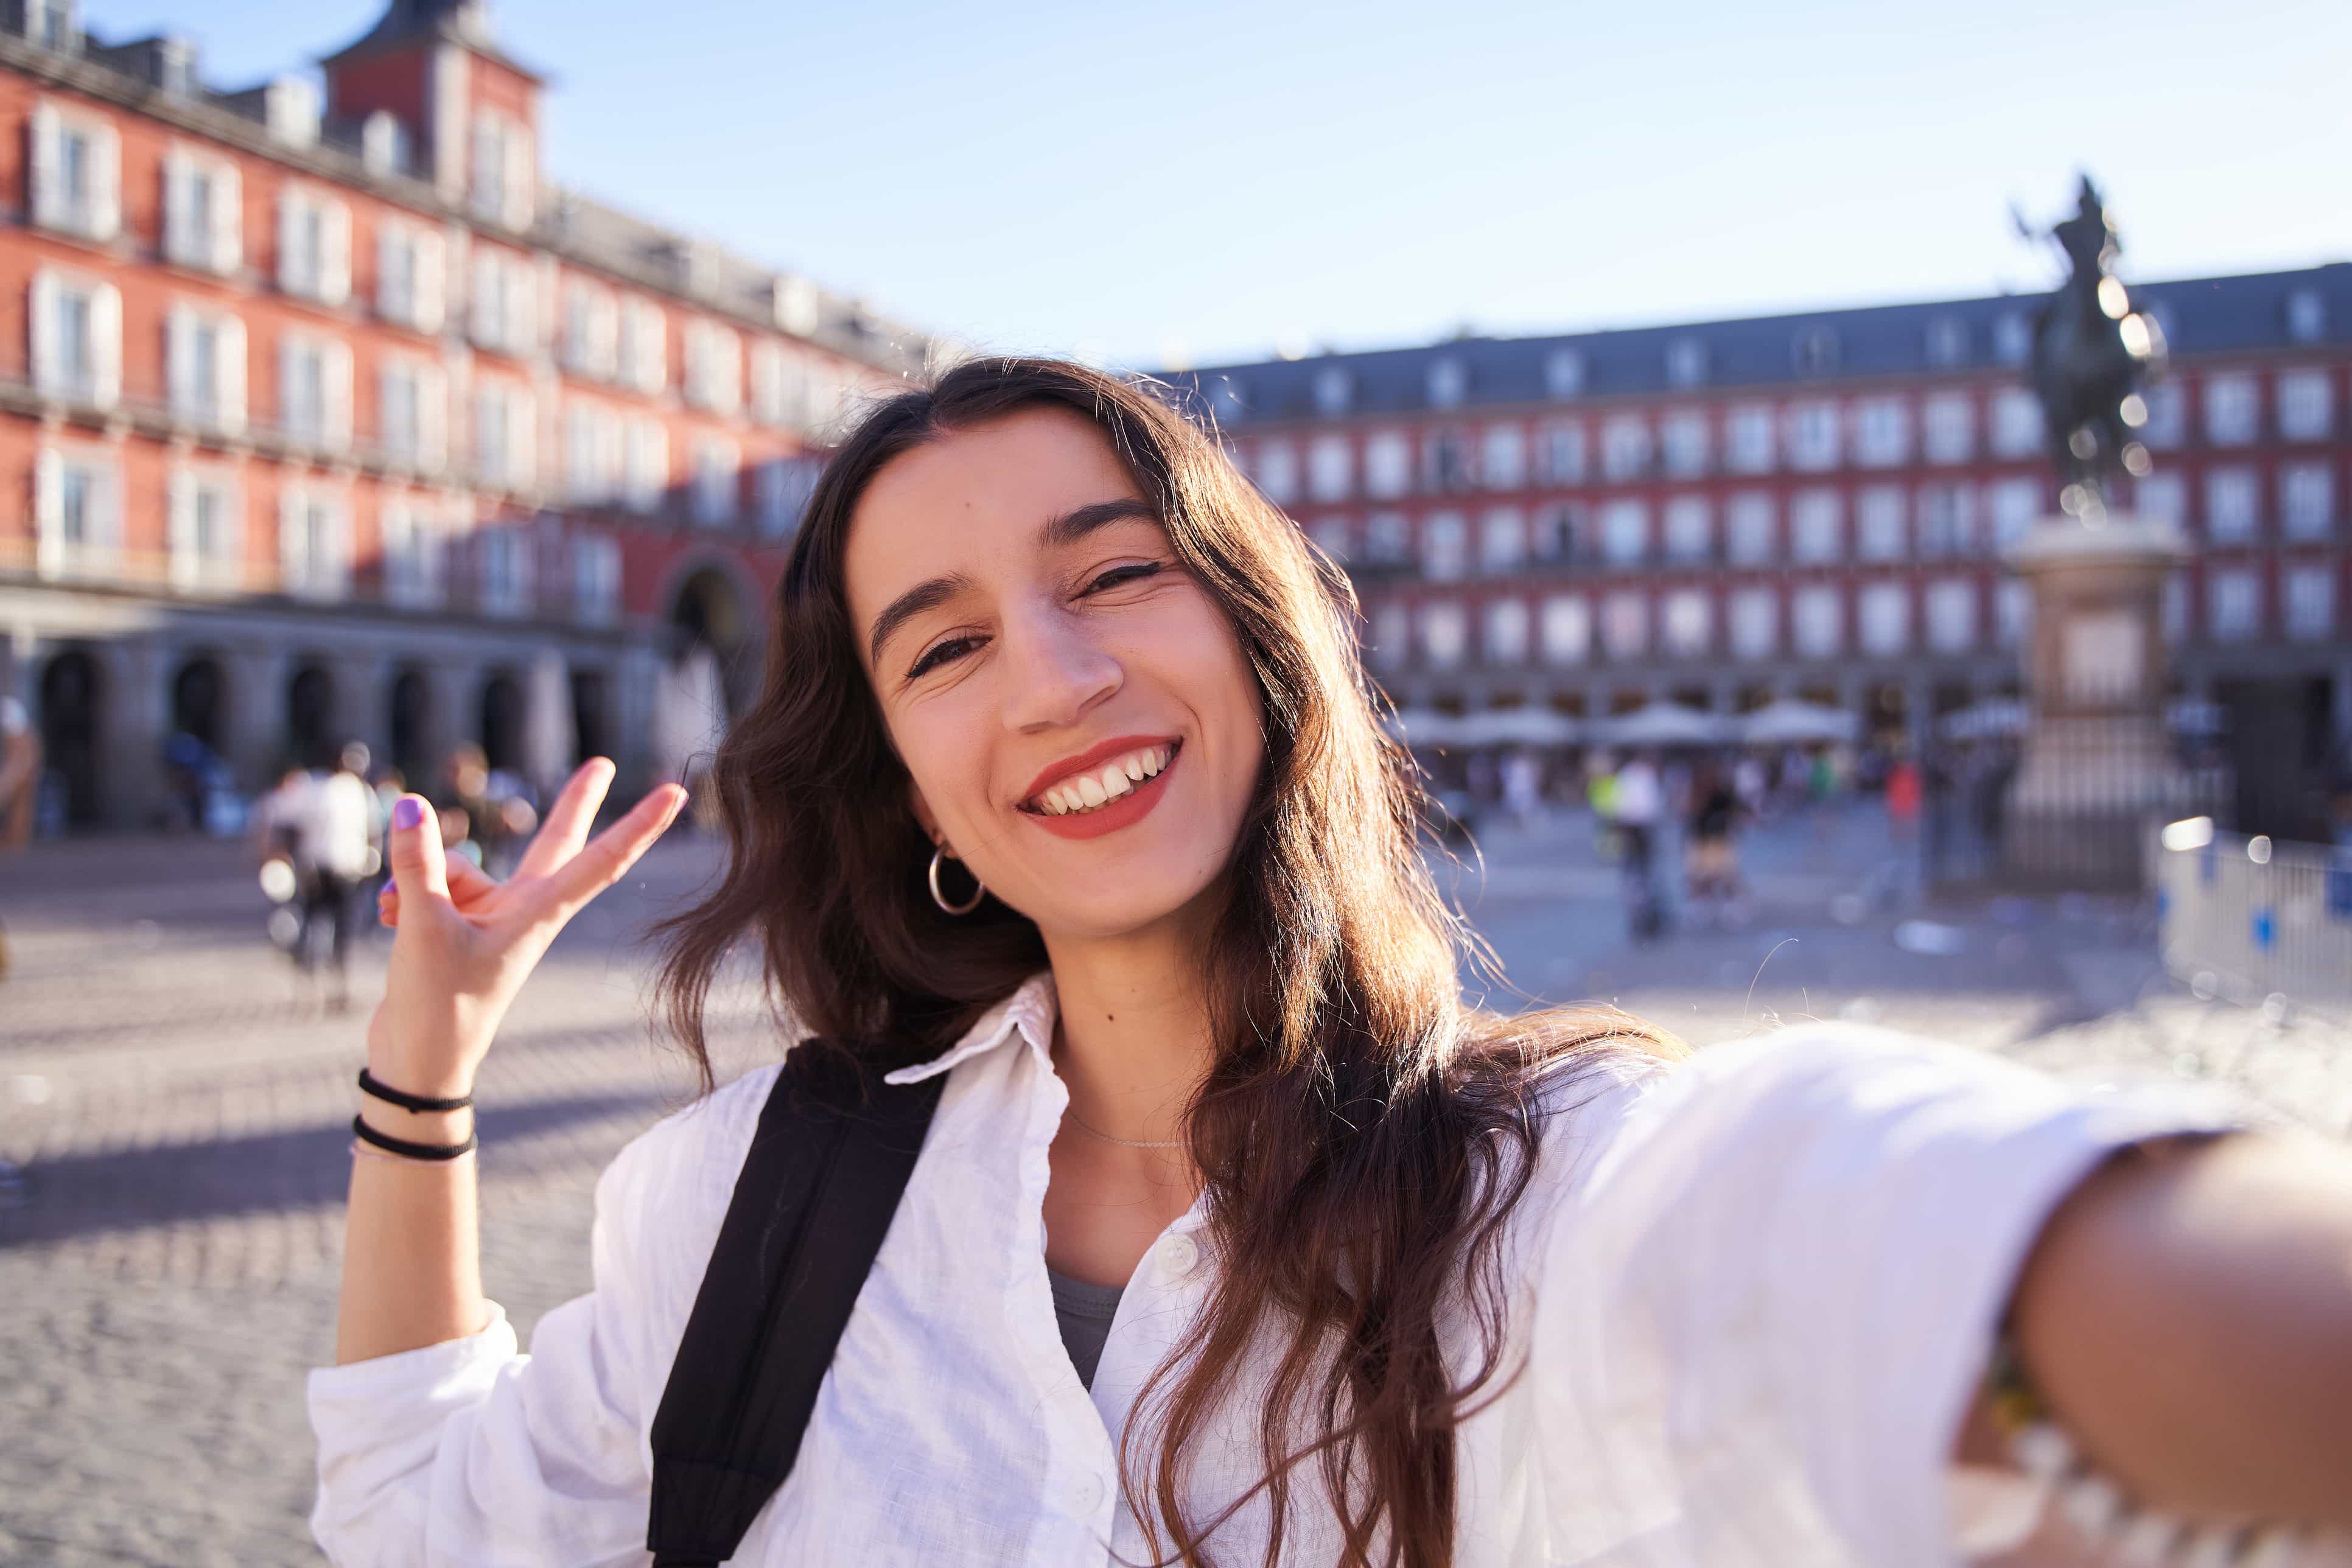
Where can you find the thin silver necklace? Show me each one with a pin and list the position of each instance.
(1123, 1142)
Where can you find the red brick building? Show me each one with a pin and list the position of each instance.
(331, 419)
(1812, 505)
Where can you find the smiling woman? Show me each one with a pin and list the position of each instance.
(1343, 1271)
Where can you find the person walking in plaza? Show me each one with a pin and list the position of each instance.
(1710, 857)
(339, 839)
(1179, 1209)
(1641, 810)
(20, 788)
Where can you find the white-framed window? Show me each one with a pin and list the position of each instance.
(1817, 526)
(1567, 629)
(1444, 633)
(2233, 504)
(1333, 385)
(1882, 526)
(596, 578)
(2016, 504)
(203, 211)
(2012, 612)
(2310, 602)
(1335, 537)
(1882, 432)
(1748, 523)
(1948, 520)
(77, 511)
(1749, 434)
(1555, 532)
(204, 366)
(314, 245)
(1388, 464)
(77, 173)
(2017, 425)
(2013, 338)
(1330, 468)
(412, 553)
(314, 391)
(1625, 531)
(1507, 631)
(592, 453)
(1947, 342)
(714, 367)
(2173, 610)
(502, 557)
(2234, 409)
(1754, 622)
(2232, 603)
(1817, 621)
(1388, 539)
(1686, 443)
(1883, 619)
(786, 485)
(1275, 471)
(314, 542)
(2307, 406)
(644, 346)
(1564, 373)
(644, 463)
(2168, 416)
(1625, 447)
(1686, 363)
(779, 384)
(412, 267)
(1444, 461)
(1812, 436)
(1563, 454)
(1949, 428)
(505, 303)
(1625, 625)
(76, 327)
(1448, 382)
(2306, 501)
(204, 530)
(1690, 530)
(505, 434)
(1444, 546)
(1952, 614)
(50, 23)
(413, 413)
(1502, 540)
(1390, 627)
(1503, 456)
(504, 170)
(2163, 498)
(717, 480)
(591, 329)
(2306, 315)
(1686, 619)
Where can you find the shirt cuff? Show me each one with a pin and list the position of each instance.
(453, 1372)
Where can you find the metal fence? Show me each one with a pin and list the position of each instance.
(2249, 918)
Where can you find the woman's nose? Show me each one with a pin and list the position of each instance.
(1054, 673)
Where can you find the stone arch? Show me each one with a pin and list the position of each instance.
(310, 739)
(408, 708)
(502, 714)
(73, 698)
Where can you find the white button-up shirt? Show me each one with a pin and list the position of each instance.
(1752, 1295)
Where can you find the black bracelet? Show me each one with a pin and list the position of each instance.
(403, 1147)
(371, 1084)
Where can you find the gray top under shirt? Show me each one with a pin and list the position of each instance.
(1084, 1312)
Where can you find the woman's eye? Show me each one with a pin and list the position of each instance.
(939, 653)
(1119, 576)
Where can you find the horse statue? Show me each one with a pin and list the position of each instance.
(2092, 353)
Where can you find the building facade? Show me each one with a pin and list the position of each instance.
(1808, 506)
(332, 418)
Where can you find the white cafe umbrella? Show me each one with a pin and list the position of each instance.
(1661, 725)
(1983, 720)
(1516, 726)
(1791, 721)
(1424, 727)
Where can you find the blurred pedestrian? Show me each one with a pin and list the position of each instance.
(341, 839)
(1641, 797)
(1523, 788)
(1711, 861)
(1905, 791)
(20, 785)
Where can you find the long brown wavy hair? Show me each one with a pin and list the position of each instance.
(1362, 1135)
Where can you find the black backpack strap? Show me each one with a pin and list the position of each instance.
(833, 1152)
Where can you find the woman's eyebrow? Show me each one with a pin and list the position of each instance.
(1072, 526)
(928, 595)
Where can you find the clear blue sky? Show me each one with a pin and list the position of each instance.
(1215, 180)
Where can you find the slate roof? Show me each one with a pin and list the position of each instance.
(2201, 316)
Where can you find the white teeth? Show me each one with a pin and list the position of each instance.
(1090, 789)
(1065, 801)
(1136, 766)
(1115, 779)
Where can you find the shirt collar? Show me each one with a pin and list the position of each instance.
(1029, 1012)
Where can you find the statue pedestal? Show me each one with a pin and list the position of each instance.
(2098, 768)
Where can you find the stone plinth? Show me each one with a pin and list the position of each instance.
(2098, 768)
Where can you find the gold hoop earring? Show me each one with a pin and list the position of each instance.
(938, 853)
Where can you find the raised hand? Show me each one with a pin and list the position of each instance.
(466, 942)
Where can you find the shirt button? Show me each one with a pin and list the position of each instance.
(1086, 1494)
(1178, 1255)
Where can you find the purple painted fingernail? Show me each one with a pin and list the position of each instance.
(407, 812)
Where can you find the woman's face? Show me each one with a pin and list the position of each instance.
(1074, 711)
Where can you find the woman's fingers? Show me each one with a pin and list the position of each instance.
(469, 886)
(419, 867)
(613, 851)
(568, 820)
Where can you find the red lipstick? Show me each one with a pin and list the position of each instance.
(1130, 807)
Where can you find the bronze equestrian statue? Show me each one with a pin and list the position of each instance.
(2092, 353)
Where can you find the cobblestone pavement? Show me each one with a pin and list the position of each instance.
(178, 1105)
